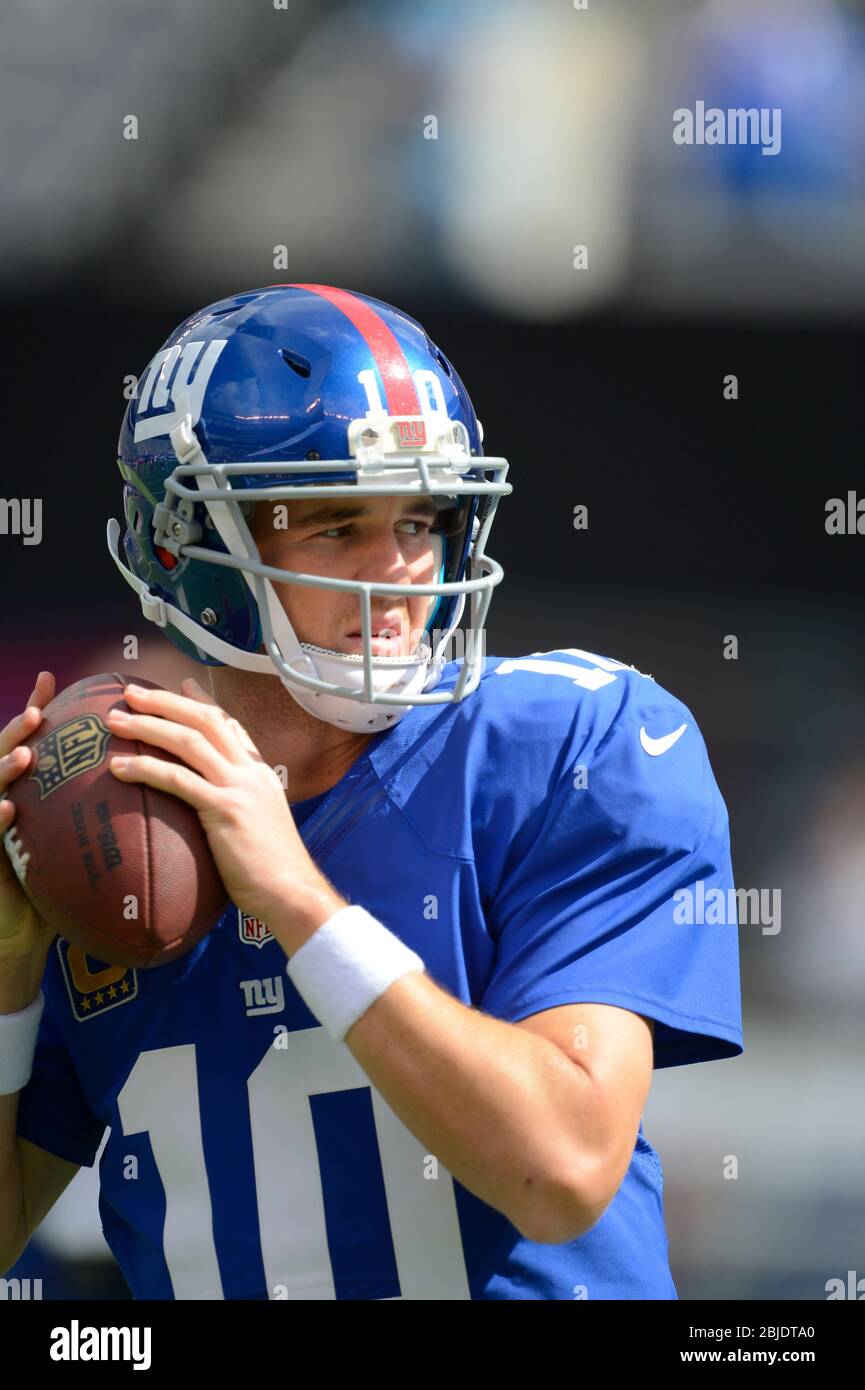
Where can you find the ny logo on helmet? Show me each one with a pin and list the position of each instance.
(411, 434)
(177, 377)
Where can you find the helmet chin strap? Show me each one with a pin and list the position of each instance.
(403, 675)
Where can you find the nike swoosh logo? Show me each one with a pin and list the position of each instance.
(657, 746)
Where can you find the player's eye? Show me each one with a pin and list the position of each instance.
(336, 531)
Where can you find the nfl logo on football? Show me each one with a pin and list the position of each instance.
(252, 930)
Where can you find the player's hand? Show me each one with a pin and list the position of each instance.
(23, 934)
(240, 800)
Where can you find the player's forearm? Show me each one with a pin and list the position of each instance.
(503, 1109)
(506, 1112)
(11, 1196)
(19, 985)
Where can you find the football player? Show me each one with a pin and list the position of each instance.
(412, 1058)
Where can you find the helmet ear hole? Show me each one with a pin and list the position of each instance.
(133, 509)
(296, 362)
(439, 357)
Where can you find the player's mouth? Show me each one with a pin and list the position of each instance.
(384, 638)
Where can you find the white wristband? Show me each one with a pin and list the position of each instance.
(345, 965)
(18, 1034)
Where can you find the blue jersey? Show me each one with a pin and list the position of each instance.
(550, 840)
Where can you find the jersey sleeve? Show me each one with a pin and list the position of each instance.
(53, 1110)
(613, 884)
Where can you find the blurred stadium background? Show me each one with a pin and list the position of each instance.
(307, 126)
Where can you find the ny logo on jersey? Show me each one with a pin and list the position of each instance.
(177, 377)
(263, 996)
(251, 930)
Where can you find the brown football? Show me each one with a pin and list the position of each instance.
(119, 869)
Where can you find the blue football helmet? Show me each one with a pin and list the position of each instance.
(303, 391)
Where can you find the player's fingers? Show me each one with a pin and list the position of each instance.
(23, 724)
(166, 777)
(7, 873)
(43, 690)
(201, 713)
(191, 745)
(244, 739)
(234, 725)
(12, 764)
(19, 728)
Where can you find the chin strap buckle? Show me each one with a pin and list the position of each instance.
(153, 608)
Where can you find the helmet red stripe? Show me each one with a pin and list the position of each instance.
(399, 389)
